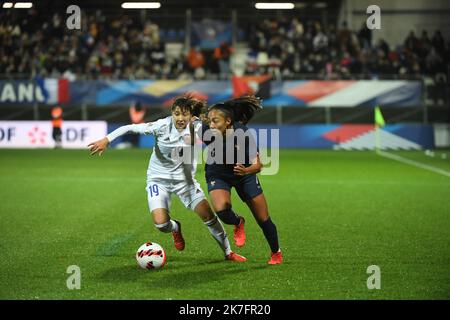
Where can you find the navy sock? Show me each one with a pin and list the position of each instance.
(228, 216)
(270, 232)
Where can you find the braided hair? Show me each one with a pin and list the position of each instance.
(239, 109)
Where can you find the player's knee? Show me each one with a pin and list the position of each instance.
(164, 227)
(228, 216)
(208, 215)
(222, 206)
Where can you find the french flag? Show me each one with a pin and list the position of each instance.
(257, 85)
(55, 91)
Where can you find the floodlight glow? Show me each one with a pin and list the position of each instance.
(141, 5)
(274, 5)
(7, 5)
(23, 5)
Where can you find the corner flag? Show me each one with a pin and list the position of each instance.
(379, 120)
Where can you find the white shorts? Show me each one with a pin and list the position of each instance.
(159, 193)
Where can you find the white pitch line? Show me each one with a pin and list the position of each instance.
(414, 163)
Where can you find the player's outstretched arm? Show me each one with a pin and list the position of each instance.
(98, 146)
(101, 145)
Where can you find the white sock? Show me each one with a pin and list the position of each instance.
(174, 226)
(169, 226)
(218, 232)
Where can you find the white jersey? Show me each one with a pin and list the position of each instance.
(166, 173)
(168, 142)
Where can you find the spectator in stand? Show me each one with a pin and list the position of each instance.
(320, 42)
(433, 61)
(196, 62)
(438, 41)
(344, 35)
(222, 54)
(365, 36)
(411, 42)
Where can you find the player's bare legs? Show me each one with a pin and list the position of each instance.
(259, 209)
(204, 211)
(162, 221)
(160, 216)
(216, 229)
(221, 201)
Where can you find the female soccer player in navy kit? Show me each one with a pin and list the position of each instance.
(225, 119)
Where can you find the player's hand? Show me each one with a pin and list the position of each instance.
(240, 170)
(98, 146)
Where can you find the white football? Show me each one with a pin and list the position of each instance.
(151, 256)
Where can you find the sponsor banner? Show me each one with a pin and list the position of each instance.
(330, 136)
(39, 90)
(367, 93)
(354, 136)
(20, 92)
(346, 93)
(340, 93)
(39, 134)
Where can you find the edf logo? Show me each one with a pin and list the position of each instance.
(7, 133)
(73, 134)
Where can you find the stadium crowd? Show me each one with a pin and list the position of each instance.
(118, 47)
(122, 47)
(291, 47)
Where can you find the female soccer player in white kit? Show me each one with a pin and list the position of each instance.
(166, 175)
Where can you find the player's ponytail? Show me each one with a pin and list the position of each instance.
(198, 107)
(239, 109)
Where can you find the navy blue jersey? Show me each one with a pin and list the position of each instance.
(238, 148)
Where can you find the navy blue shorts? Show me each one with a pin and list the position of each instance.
(247, 187)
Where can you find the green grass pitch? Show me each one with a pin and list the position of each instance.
(337, 213)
